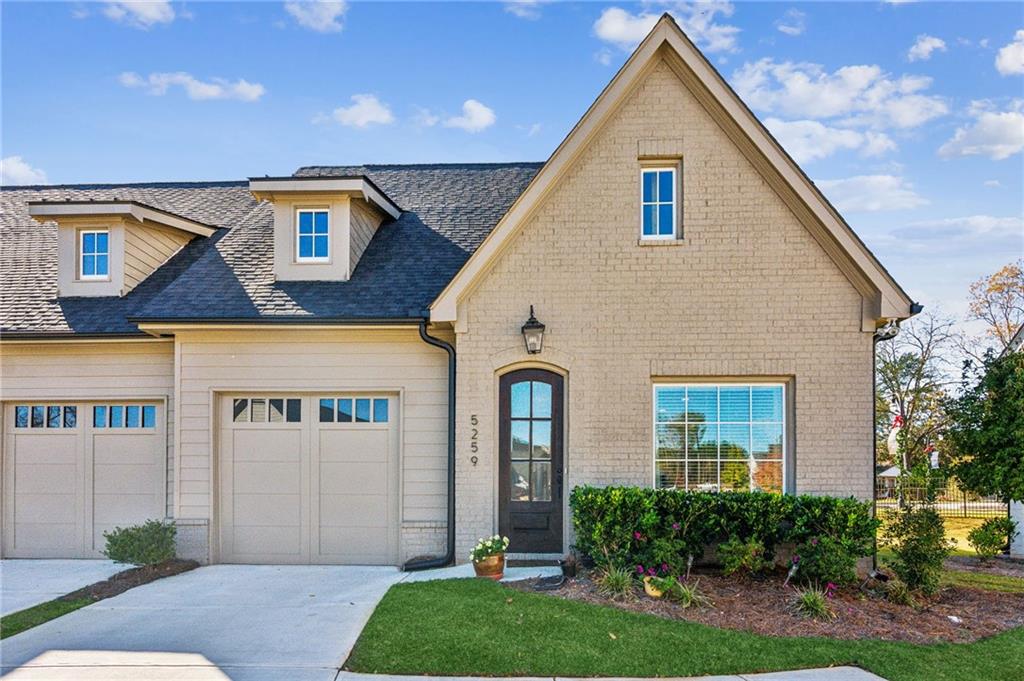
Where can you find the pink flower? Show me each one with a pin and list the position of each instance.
(675, 526)
(639, 569)
(814, 542)
(637, 535)
(652, 571)
(796, 559)
(664, 567)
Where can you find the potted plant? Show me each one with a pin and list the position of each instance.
(488, 557)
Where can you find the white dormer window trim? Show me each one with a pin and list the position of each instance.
(318, 237)
(97, 255)
(653, 203)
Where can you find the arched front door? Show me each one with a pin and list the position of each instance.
(530, 460)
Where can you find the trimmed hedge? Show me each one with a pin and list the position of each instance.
(627, 527)
(146, 544)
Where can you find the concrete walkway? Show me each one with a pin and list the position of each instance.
(24, 583)
(238, 622)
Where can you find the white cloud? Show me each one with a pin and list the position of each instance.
(530, 130)
(962, 234)
(871, 193)
(15, 170)
(143, 15)
(995, 134)
(475, 117)
(322, 16)
(1010, 58)
(697, 19)
(425, 118)
(793, 22)
(215, 88)
(810, 140)
(923, 48)
(365, 111)
(993, 183)
(603, 56)
(525, 9)
(864, 95)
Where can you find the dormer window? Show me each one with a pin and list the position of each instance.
(313, 234)
(658, 213)
(94, 259)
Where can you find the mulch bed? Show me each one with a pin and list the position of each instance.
(1007, 567)
(765, 606)
(131, 578)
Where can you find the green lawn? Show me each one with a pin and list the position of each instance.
(477, 627)
(17, 622)
(979, 580)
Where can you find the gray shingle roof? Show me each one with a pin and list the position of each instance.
(448, 211)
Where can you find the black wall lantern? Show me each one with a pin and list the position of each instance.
(533, 334)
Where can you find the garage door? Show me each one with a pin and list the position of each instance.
(72, 471)
(309, 479)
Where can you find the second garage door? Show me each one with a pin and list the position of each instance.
(309, 479)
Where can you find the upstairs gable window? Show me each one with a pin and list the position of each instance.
(313, 235)
(94, 249)
(658, 213)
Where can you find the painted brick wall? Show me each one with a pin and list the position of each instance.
(747, 292)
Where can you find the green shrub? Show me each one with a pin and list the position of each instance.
(633, 526)
(813, 602)
(145, 544)
(689, 596)
(917, 537)
(896, 591)
(824, 559)
(747, 556)
(615, 583)
(991, 537)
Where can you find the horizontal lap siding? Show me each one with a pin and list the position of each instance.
(146, 248)
(93, 371)
(315, 361)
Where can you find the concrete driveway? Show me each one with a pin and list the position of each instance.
(238, 622)
(24, 583)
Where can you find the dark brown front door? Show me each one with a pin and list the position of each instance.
(530, 451)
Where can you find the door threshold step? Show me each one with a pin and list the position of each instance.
(533, 562)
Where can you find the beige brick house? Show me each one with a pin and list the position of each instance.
(333, 367)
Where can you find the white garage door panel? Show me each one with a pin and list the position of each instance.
(308, 492)
(65, 486)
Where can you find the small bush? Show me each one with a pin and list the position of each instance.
(743, 556)
(615, 583)
(688, 595)
(813, 602)
(917, 537)
(823, 559)
(145, 544)
(896, 591)
(991, 537)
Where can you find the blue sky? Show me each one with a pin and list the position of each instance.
(909, 115)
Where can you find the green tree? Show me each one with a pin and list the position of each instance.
(986, 428)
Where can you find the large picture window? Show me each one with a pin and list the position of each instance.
(720, 437)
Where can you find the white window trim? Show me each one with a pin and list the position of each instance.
(312, 259)
(675, 203)
(710, 384)
(81, 256)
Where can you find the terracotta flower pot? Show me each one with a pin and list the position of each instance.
(650, 589)
(491, 567)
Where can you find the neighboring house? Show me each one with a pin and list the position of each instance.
(270, 362)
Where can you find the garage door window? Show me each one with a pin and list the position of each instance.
(45, 416)
(266, 410)
(124, 416)
(354, 410)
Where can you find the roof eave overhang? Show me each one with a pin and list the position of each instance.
(57, 210)
(270, 188)
(883, 297)
(170, 326)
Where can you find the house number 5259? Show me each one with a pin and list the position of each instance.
(474, 445)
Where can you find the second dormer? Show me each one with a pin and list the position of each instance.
(107, 248)
(322, 225)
